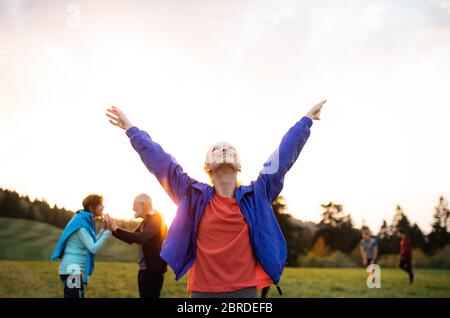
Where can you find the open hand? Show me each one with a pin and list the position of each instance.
(112, 226)
(105, 222)
(314, 113)
(118, 118)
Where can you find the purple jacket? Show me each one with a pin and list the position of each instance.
(254, 200)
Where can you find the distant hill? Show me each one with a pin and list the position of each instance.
(32, 240)
(13, 205)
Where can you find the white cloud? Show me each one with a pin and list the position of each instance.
(445, 4)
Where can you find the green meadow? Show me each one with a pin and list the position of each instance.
(119, 279)
(26, 271)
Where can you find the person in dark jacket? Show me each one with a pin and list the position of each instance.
(405, 257)
(150, 235)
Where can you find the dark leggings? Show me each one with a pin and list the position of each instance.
(150, 283)
(73, 286)
(406, 265)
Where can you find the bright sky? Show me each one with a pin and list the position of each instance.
(195, 72)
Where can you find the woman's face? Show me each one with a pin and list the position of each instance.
(98, 211)
(221, 153)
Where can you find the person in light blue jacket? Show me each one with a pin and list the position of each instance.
(78, 245)
(210, 219)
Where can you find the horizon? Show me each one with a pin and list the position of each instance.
(373, 231)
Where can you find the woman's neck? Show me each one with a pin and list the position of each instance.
(224, 179)
(225, 188)
(225, 182)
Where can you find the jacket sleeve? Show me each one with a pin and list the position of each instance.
(165, 168)
(139, 237)
(271, 177)
(89, 243)
(100, 233)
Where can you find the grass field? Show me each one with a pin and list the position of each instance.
(25, 271)
(110, 279)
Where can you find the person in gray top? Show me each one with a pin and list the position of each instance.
(368, 247)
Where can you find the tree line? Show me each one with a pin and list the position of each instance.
(12, 205)
(338, 232)
(336, 228)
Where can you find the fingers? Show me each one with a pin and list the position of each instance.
(114, 123)
(322, 102)
(319, 105)
(116, 110)
(114, 120)
(317, 109)
(111, 116)
(112, 111)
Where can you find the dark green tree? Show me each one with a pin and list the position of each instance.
(337, 229)
(439, 236)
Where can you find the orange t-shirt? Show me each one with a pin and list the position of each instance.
(224, 259)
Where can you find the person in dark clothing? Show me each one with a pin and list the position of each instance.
(405, 257)
(150, 235)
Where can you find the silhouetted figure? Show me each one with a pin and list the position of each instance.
(149, 236)
(405, 257)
